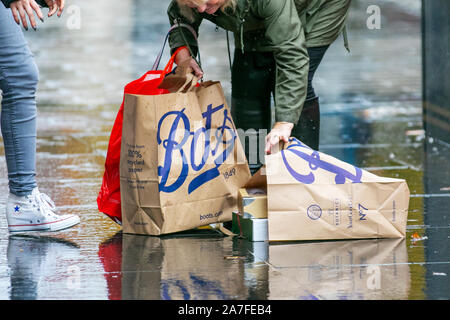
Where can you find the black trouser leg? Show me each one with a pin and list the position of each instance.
(252, 84)
(307, 129)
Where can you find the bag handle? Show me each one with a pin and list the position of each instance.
(189, 84)
(176, 25)
(168, 68)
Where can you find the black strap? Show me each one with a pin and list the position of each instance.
(177, 25)
(229, 52)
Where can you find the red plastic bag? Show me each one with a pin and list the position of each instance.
(108, 199)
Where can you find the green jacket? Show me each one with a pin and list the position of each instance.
(284, 27)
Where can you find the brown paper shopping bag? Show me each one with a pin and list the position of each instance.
(314, 196)
(181, 161)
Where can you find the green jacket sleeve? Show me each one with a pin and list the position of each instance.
(179, 36)
(39, 2)
(7, 2)
(284, 32)
(42, 3)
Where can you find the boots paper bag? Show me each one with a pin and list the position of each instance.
(314, 196)
(181, 161)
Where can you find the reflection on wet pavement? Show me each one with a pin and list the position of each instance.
(215, 268)
(33, 264)
(371, 116)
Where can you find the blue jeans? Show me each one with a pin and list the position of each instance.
(18, 82)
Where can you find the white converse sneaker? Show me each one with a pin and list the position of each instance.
(35, 212)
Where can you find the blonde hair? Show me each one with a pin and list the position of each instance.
(188, 12)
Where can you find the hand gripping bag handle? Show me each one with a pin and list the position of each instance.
(177, 25)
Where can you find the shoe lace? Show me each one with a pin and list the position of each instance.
(44, 203)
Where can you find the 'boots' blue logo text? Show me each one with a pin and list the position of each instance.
(315, 163)
(216, 151)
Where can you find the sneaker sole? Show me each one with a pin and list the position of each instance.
(48, 226)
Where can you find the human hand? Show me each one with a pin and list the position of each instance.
(22, 8)
(281, 131)
(55, 5)
(182, 58)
